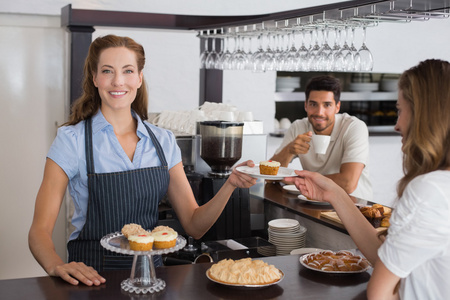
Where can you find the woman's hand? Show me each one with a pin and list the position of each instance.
(242, 180)
(74, 272)
(315, 186)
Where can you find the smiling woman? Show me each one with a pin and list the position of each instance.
(117, 166)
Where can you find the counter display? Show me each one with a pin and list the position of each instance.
(191, 282)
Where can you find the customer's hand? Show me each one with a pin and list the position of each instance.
(242, 180)
(315, 186)
(301, 144)
(75, 272)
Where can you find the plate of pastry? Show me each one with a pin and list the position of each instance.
(311, 201)
(340, 262)
(255, 172)
(244, 273)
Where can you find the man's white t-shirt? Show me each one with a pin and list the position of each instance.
(417, 247)
(349, 142)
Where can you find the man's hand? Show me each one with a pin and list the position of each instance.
(301, 144)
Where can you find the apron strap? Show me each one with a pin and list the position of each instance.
(159, 150)
(88, 146)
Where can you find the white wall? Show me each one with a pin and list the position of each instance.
(32, 104)
(34, 91)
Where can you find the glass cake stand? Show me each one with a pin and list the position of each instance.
(143, 277)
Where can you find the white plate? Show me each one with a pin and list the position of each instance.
(245, 286)
(302, 251)
(254, 172)
(283, 223)
(291, 188)
(301, 197)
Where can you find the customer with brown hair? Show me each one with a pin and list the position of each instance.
(416, 251)
(117, 167)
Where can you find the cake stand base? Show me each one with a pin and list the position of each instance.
(136, 286)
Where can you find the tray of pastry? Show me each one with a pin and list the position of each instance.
(246, 273)
(340, 262)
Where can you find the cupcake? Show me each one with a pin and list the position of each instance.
(133, 229)
(269, 167)
(141, 242)
(164, 237)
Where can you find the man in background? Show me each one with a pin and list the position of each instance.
(346, 158)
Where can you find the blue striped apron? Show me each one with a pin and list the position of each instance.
(116, 199)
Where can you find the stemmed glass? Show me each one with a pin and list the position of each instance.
(212, 57)
(269, 55)
(323, 55)
(291, 56)
(341, 63)
(336, 48)
(218, 64)
(350, 56)
(258, 56)
(238, 57)
(302, 63)
(313, 51)
(225, 58)
(204, 54)
(364, 58)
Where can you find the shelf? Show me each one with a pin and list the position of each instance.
(345, 96)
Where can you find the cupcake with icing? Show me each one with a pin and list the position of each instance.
(269, 167)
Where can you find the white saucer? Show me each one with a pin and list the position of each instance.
(291, 188)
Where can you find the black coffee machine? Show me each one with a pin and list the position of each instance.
(208, 160)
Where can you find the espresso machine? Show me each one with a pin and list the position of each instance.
(208, 158)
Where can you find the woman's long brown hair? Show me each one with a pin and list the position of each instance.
(426, 145)
(89, 102)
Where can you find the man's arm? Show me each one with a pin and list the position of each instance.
(348, 176)
(300, 145)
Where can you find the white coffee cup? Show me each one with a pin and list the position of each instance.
(320, 143)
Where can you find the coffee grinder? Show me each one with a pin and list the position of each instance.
(221, 148)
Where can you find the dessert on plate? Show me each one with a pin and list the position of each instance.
(244, 272)
(141, 242)
(164, 237)
(269, 167)
(133, 229)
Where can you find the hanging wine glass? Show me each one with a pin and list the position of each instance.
(341, 57)
(313, 51)
(225, 59)
(238, 57)
(291, 57)
(212, 57)
(302, 62)
(205, 52)
(258, 56)
(323, 55)
(269, 55)
(364, 58)
(336, 47)
(218, 64)
(350, 56)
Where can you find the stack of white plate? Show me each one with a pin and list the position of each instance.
(287, 84)
(286, 235)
